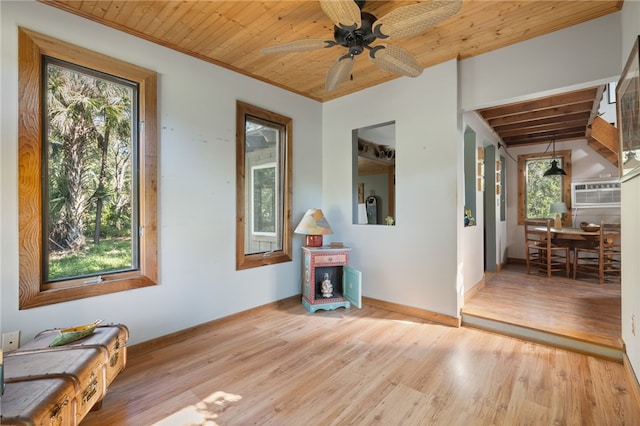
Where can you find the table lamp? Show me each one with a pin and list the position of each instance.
(314, 225)
(558, 209)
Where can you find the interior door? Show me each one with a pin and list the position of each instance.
(352, 286)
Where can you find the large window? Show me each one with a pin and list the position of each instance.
(536, 192)
(263, 195)
(87, 184)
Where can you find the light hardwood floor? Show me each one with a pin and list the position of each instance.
(284, 366)
(580, 309)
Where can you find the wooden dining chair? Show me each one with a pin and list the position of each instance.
(602, 260)
(541, 253)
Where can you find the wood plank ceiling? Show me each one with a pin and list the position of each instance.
(560, 117)
(231, 33)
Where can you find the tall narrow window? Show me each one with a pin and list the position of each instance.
(87, 183)
(263, 232)
(536, 191)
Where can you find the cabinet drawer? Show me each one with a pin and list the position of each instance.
(339, 259)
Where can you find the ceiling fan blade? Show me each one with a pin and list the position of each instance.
(338, 70)
(395, 59)
(298, 46)
(344, 13)
(407, 21)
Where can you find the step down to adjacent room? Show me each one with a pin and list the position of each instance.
(590, 345)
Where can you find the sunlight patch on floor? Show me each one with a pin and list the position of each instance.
(203, 413)
(406, 321)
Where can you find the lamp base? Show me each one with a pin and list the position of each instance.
(557, 224)
(313, 241)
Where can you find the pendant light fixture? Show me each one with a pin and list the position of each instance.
(554, 170)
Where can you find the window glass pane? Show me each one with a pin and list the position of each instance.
(264, 200)
(541, 190)
(262, 156)
(90, 187)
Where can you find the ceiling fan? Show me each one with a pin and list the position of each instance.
(357, 30)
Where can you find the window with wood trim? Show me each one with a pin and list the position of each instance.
(263, 187)
(87, 173)
(536, 192)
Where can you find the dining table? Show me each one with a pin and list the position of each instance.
(572, 237)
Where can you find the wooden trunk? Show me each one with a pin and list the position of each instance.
(39, 401)
(110, 339)
(60, 385)
(82, 367)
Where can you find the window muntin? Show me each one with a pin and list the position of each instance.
(536, 192)
(263, 194)
(35, 289)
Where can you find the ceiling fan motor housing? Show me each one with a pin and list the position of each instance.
(360, 38)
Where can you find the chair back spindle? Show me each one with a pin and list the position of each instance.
(542, 255)
(603, 260)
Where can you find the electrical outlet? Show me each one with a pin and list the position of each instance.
(10, 341)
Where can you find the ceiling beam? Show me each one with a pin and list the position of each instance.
(541, 114)
(570, 134)
(550, 102)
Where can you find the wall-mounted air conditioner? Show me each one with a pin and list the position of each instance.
(595, 194)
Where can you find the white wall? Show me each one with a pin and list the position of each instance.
(414, 263)
(573, 57)
(198, 281)
(472, 237)
(630, 215)
(552, 63)
(485, 137)
(545, 65)
(429, 148)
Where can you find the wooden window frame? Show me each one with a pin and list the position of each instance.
(31, 47)
(565, 155)
(244, 260)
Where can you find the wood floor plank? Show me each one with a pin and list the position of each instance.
(370, 366)
(580, 309)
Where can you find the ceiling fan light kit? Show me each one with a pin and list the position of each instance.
(356, 30)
